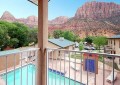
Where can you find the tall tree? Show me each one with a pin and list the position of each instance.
(69, 35)
(33, 35)
(89, 40)
(57, 33)
(22, 34)
(100, 41)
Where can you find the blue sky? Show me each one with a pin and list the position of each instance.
(23, 8)
(19, 8)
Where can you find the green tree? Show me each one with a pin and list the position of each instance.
(89, 40)
(81, 46)
(16, 35)
(22, 34)
(33, 35)
(14, 43)
(3, 38)
(68, 35)
(57, 33)
(100, 41)
(76, 38)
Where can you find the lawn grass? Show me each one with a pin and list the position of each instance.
(76, 56)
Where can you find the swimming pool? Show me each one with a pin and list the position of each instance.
(54, 79)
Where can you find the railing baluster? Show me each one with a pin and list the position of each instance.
(87, 68)
(81, 68)
(60, 67)
(27, 66)
(95, 71)
(6, 70)
(52, 68)
(64, 67)
(56, 71)
(113, 70)
(47, 67)
(75, 71)
(36, 67)
(32, 62)
(69, 67)
(14, 67)
(21, 68)
(103, 70)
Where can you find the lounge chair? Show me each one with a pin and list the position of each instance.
(72, 65)
(110, 77)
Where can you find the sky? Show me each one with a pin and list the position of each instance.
(23, 8)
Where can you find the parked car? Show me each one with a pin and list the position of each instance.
(89, 48)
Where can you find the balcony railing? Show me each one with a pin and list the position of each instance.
(69, 67)
(65, 67)
(17, 67)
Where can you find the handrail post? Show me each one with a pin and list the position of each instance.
(42, 42)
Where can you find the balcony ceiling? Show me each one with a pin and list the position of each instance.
(35, 1)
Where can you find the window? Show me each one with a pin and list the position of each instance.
(114, 42)
(59, 53)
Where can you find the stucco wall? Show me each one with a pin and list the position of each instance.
(58, 54)
(10, 61)
(53, 54)
(116, 47)
(70, 48)
(51, 45)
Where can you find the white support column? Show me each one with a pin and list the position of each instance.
(42, 42)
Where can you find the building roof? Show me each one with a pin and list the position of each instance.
(115, 37)
(61, 42)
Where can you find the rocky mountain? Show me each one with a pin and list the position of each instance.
(98, 10)
(93, 18)
(31, 21)
(59, 20)
(8, 17)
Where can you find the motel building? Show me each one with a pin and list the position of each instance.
(114, 47)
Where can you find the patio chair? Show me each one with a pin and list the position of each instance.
(110, 77)
(73, 67)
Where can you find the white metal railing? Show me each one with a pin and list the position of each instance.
(61, 68)
(73, 69)
(18, 60)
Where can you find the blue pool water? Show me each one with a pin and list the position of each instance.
(60, 80)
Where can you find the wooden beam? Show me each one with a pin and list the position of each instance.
(42, 42)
